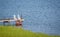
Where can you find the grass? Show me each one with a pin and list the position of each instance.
(12, 31)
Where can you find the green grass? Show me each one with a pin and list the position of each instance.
(12, 31)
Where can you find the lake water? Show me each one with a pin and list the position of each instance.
(39, 15)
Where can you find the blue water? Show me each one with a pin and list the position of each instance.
(40, 15)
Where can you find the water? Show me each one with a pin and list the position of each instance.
(40, 15)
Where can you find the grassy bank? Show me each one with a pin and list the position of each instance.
(12, 31)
